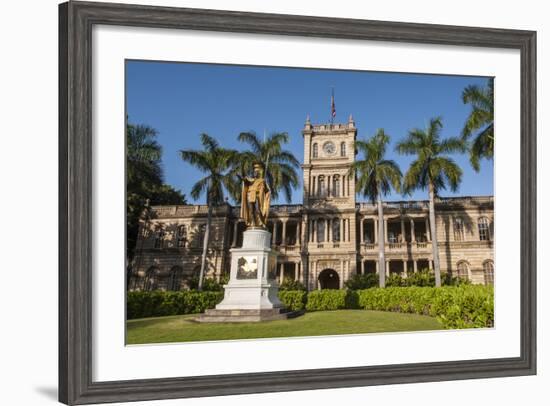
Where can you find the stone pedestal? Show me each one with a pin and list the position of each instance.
(252, 291)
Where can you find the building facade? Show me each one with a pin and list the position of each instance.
(327, 239)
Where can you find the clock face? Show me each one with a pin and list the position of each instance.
(329, 148)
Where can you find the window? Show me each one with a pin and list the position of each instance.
(159, 237)
(392, 236)
(462, 270)
(174, 278)
(459, 229)
(483, 227)
(336, 186)
(321, 230)
(315, 151)
(336, 230)
(489, 272)
(150, 282)
(343, 149)
(322, 189)
(182, 236)
(202, 232)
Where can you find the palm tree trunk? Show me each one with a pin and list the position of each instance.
(205, 246)
(381, 244)
(433, 232)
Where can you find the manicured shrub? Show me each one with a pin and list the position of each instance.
(330, 299)
(365, 281)
(159, 303)
(463, 306)
(290, 284)
(208, 284)
(293, 299)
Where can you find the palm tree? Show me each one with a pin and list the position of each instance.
(431, 169)
(480, 118)
(214, 161)
(375, 178)
(280, 164)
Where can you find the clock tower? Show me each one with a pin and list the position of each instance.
(328, 154)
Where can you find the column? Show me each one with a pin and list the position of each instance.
(428, 236)
(403, 239)
(430, 265)
(329, 230)
(275, 222)
(329, 185)
(415, 266)
(387, 268)
(386, 230)
(342, 236)
(361, 237)
(375, 231)
(313, 186)
(283, 242)
(296, 271)
(326, 230)
(347, 184)
(413, 237)
(281, 273)
(405, 268)
(235, 230)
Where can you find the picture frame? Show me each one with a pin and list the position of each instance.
(76, 20)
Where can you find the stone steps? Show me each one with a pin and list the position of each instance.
(246, 315)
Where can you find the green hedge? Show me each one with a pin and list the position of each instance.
(465, 306)
(293, 299)
(329, 299)
(159, 303)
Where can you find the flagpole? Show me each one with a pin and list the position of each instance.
(332, 107)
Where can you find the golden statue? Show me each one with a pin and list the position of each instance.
(255, 199)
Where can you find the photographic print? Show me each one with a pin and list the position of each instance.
(272, 202)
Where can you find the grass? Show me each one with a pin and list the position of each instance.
(183, 329)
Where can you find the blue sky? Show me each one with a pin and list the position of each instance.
(182, 100)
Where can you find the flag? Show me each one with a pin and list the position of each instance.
(332, 105)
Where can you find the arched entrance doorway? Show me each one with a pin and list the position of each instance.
(329, 279)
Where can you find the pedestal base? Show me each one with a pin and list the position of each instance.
(246, 315)
(252, 291)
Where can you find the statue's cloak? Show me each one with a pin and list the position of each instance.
(263, 197)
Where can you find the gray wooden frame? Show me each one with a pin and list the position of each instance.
(75, 187)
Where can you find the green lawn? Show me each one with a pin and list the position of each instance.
(182, 329)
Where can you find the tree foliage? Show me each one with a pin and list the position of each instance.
(480, 122)
(432, 165)
(144, 179)
(281, 165)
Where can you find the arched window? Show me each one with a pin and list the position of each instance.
(315, 150)
(182, 235)
(174, 278)
(322, 189)
(343, 149)
(150, 282)
(483, 228)
(336, 186)
(336, 230)
(321, 230)
(463, 270)
(489, 272)
(459, 229)
(159, 237)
